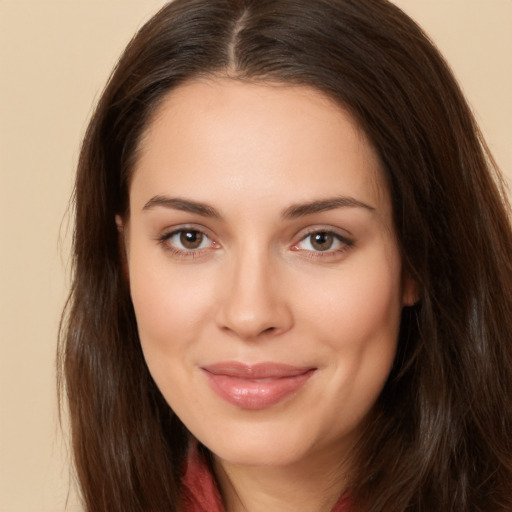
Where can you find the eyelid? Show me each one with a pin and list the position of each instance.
(341, 234)
(346, 242)
(164, 237)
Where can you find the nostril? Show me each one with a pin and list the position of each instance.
(253, 333)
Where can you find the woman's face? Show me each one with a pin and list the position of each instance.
(264, 269)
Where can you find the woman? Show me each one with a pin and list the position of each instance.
(292, 284)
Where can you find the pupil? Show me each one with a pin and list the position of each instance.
(191, 239)
(322, 241)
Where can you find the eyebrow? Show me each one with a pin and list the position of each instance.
(292, 212)
(323, 205)
(184, 205)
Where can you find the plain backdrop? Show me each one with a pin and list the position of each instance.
(55, 57)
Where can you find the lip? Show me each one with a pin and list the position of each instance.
(256, 386)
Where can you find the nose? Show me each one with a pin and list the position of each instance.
(254, 301)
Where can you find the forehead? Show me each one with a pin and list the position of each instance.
(262, 138)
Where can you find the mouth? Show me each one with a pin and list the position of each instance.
(256, 386)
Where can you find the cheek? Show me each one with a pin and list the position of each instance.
(360, 306)
(358, 323)
(171, 309)
(356, 319)
(170, 304)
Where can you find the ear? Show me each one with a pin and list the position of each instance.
(411, 290)
(119, 223)
(122, 247)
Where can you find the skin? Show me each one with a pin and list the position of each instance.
(257, 289)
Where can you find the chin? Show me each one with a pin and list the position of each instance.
(264, 445)
(260, 454)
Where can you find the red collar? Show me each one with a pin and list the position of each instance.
(200, 493)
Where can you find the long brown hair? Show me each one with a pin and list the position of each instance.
(440, 437)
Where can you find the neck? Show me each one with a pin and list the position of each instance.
(309, 486)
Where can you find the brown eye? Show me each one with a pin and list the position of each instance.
(322, 241)
(187, 242)
(191, 239)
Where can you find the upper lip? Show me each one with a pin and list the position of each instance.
(265, 370)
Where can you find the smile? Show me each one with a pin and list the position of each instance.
(256, 386)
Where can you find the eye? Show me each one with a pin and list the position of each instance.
(186, 240)
(323, 241)
(189, 239)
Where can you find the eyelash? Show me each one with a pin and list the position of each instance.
(346, 244)
(163, 240)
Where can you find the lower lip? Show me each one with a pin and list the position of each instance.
(256, 394)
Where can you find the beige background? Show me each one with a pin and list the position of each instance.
(54, 59)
